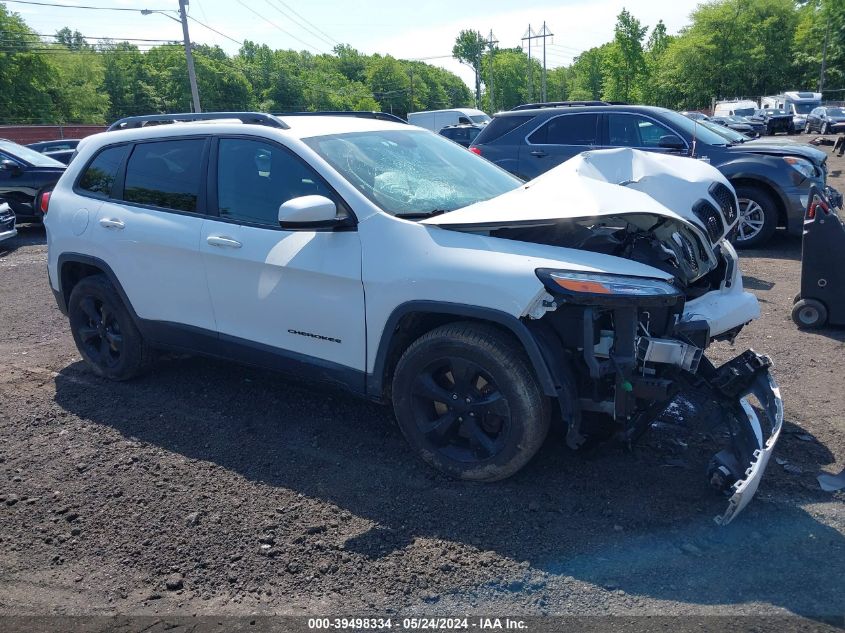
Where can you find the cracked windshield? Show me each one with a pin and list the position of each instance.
(412, 174)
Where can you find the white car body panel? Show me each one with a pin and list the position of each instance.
(159, 247)
(287, 289)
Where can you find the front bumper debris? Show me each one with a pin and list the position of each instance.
(753, 430)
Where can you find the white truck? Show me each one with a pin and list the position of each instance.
(736, 107)
(436, 120)
(797, 103)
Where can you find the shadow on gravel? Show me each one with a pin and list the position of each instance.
(28, 235)
(781, 246)
(632, 521)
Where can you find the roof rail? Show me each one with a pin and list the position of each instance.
(254, 118)
(558, 104)
(362, 114)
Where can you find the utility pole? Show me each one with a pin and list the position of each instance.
(532, 35)
(491, 43)
(544, 34)
(192, 76)
(824, 58)
(529, 35)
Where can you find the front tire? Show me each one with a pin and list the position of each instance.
(809, 314)
(468, 403)
(103, 330)
(758, 215)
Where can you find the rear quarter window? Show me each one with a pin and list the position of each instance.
(98, 178)
(500, 126)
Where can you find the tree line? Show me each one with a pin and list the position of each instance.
(731, 48)
(69, 80)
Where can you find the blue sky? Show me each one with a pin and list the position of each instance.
(407, 30)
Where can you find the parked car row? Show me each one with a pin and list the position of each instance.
(25, 176)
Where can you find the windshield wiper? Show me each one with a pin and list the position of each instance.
(422, 214)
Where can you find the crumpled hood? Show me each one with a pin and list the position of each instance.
(608, 182)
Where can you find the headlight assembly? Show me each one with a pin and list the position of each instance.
(801, 165)
(590, 288)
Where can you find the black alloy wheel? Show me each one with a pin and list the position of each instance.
(460, 410)
(104, 330)
(467, 400)
(101, 335)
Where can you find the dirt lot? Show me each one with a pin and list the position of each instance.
(209, 488)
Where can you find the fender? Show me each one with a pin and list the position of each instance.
(375, 381)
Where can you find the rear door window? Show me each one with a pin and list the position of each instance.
(166, 174)
(98, 178)
(569, 129)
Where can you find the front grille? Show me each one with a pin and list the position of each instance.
(726, 201)
(687, 251)
(709, 215)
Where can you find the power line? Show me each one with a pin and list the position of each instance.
(91, 37)
(231, 39)
(292, 10)
(290, 17)
(80, 6)
(270, 22)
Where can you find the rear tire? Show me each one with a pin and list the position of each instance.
(809, 314)
(104, 331)
(468, 403)
(758, 216)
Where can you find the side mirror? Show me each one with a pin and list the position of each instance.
(310, 212)
(10, 166)
(670, 141)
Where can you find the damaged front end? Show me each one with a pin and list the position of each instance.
(627, 349)
(652, 281)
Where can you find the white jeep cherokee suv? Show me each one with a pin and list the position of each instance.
(391, 261)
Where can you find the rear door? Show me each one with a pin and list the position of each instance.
(148, 229)
(557, 140)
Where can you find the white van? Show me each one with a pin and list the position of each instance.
(436, 120)
(737, 107)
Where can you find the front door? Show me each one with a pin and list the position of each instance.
(294, 293)
(557, 140)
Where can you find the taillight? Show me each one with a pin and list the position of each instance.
(44, 202)
(475, 150)
(817, 203)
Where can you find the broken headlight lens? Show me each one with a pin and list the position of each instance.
(603, 284)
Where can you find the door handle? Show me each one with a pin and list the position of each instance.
(108, 223)
(538, 153)
(223, 242)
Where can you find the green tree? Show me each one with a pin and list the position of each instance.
(469, 49)
(819, 20)
(624, 60)
(586, 77)
(389, 83)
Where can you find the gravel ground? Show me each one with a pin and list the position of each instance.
(210, 488)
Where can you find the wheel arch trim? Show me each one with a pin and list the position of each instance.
(62, 297)
(376, 380)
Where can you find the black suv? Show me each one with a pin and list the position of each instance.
(24, 175)
(462, 133)
(772, 180)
